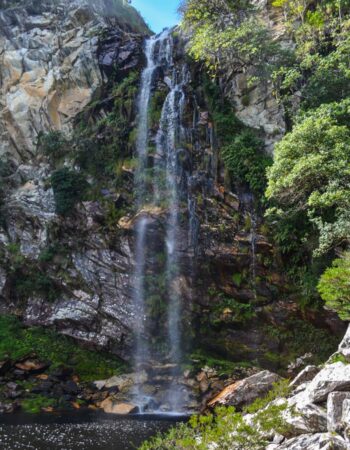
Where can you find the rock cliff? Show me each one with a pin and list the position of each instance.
(70, 72)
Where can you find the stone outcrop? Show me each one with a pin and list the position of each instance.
(245, 391)
(50, 68)
(318, 410)
(55, 65)
(54, 61)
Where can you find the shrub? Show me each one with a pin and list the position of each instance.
(69, 188)
(53, 144)
(245, 159)
(334, 287)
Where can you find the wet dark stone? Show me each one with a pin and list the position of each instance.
(62, 373)
(44, 387)
(70, 387)
(5, 366)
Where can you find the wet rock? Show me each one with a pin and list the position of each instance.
(245, 391)
(71, 388)
(123, 382)
(61, 373)
(43, 388)
(112, 407)
(5, 366)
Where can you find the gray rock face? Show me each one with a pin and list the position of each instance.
(49, 68)
(335, 410)
(53, 64)
(305, 375)
(320, 441)
(305, 418)
(334, 377)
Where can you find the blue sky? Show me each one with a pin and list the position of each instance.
(158, 13)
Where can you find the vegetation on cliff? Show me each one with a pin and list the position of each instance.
(308, 194)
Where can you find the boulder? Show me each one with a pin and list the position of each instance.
(123, 382)
(319, 441)
(335, 403)
(305, 418)
(305, 375)
(110, 406)
(245, 391)
(334, 377)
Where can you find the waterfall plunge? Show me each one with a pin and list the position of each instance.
(165, 191)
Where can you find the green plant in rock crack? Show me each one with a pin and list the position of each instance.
(228, 310)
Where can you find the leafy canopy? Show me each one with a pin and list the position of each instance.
(311, 174)
(334, 287)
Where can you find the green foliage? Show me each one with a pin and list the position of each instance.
(29, 282)
(338, 357)
(155, 107)
(319, 72)
(101, 147)
(69, 187)
(35, 404)
(226, 428)
(16, 342)
(229, 310)
(297, 337)
(222, 31)
(245, 159)
(334, 287)
(310, 174)
(200, 358)
(53, 144)
(280, 389)
(242, 151)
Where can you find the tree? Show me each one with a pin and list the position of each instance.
(311, 176)
(224, 31)
(334, 287)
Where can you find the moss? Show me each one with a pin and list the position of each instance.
(16, 341)
(36, 404)
(237, 279)
(338, 357)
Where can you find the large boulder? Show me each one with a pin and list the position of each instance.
(334, 377)
(245, 391)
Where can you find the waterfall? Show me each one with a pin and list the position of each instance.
(160, 196)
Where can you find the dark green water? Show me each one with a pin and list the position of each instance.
(79, 431)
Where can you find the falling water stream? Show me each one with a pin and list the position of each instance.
(163, 197)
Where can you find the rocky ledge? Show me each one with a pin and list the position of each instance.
(316, 405)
